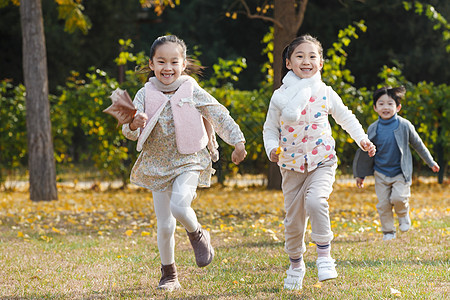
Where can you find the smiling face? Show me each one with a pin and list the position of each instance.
(386, 107)
(168, 63)
(305, 60)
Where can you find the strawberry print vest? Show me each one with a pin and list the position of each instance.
(308, 142)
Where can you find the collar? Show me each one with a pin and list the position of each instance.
(389, 121)
(165, 88)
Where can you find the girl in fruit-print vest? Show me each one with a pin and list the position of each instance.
(297, 135)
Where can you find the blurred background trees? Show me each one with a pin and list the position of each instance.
(366, 44)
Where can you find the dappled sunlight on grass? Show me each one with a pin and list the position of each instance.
(221, 209)
(102, 244)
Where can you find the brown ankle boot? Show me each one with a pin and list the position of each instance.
(169, 278)
(201, 243)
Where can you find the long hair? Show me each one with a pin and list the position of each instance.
(289, 49)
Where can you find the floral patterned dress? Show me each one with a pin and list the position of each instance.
(159, 162)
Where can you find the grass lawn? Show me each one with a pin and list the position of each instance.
(94, 244)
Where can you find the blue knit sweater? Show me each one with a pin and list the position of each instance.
(387, 158)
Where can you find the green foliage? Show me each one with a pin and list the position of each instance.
(247, 108)
(336, 75)
(267, 67)
(83, 134)
(71, 11)
(434, 16)
(13, 139)
(225, 70)
(92, 135)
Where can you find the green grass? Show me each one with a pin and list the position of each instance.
(76, 250)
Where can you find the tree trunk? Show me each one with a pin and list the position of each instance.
(41, 161)
(285, 14)
(291, 19)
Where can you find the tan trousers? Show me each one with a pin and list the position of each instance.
(306, 196)
(391, 192)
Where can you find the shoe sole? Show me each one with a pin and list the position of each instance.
(328, 278)
(169, 289)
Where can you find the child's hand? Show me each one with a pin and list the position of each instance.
(368, 146)
(435, 168)
(239, 153)
(274, 155)
(139, 121)
(360, 182)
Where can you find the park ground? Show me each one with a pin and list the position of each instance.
(96, 243)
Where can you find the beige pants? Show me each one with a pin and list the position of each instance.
(391, 192)
(306, 196)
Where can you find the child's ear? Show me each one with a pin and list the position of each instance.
(150, 64)
(288, 64)
(399, 107)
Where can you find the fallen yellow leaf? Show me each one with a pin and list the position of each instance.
(129, 232)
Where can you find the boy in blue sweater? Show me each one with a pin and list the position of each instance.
(392, 164)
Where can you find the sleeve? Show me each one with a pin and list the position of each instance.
(345, 118)
(271, 129)
(219, 117)
(139, 104)
(362, 164)
(418, 145)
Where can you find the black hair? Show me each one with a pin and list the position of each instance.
(289, 49)
(396, 93)
(192, 65)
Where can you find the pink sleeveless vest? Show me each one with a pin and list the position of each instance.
(190, 131)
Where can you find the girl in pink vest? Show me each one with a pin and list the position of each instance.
(297, 135)
(174, 126)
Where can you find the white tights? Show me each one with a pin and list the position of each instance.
(173, 205)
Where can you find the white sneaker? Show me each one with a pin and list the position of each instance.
(326, 268)
(294, 279)
(388, 236)
(404, 223)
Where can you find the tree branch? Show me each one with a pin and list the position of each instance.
(256, 16)
(301, 14)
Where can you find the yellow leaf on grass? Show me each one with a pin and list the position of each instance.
(55, 230)
(145, 233)
(129, 232)
(318, 285)
(20, 234)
